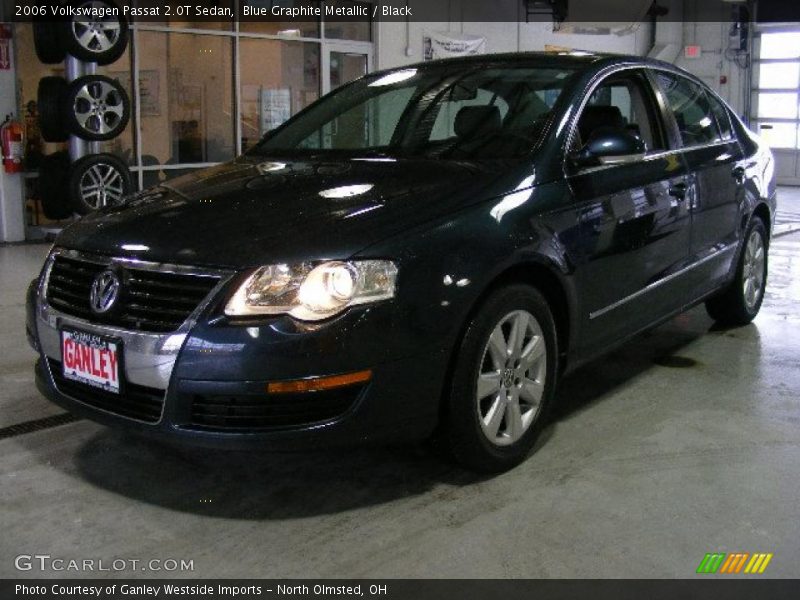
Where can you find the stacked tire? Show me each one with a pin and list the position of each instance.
(93, 107)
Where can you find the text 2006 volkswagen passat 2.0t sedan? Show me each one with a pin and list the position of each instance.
(423, 251)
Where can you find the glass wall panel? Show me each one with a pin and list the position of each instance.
(187, 109)
(777, 106)
(779, 75)
(278, 79)
(346, 66)
(780, 45)
(779, 135)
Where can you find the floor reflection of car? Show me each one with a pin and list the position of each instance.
(424, 251)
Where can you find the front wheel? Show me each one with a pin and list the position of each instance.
(503, 380)
(740, 302)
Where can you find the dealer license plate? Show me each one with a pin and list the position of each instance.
(91, 359)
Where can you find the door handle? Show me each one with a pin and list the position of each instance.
(738, 175)
(678, 190)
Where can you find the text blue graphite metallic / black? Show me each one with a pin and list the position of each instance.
(423, 251)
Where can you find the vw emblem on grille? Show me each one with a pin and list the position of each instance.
(105, 290)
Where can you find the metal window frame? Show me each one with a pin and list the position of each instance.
(327, 45)
(756, 90)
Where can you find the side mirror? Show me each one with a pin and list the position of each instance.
(610, 146)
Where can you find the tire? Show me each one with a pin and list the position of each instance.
(50, 97)
(740, 302)
(96, 108)
(52, 186)
(98, 180)
(97, 40)
(475, 439)
(47, 42)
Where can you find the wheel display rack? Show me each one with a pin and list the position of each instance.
(81, 109)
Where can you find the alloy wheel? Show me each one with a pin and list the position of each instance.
(102, 185)
(94, 34)
(511, 378)
(99, 108)
(753, 270)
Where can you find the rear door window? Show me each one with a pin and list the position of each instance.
(722, 117)
(693, 110)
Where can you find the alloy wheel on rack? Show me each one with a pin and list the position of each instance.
(94, 38)
(97, 108)
(98, 180)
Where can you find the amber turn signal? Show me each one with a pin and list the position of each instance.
(316, 384)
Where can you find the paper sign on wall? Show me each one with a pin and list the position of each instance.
(446, 45)
(5, 47)
(276, 107)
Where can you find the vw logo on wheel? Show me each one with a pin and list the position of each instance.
(105, 290)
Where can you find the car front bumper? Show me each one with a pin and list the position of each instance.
(206, 384)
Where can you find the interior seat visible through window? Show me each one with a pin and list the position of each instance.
(476, 121)
(625, 102)
(595, 117)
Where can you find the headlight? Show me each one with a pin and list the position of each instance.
(313, 292)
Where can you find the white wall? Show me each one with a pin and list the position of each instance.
(394, 38)
(712, 65)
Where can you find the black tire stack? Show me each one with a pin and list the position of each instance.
(93, 108)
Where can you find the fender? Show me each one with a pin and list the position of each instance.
(442, 279)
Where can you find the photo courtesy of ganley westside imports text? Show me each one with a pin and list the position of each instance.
(230, 590)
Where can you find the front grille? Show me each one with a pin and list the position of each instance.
(135, 401)
(153, 301)
(271, 411)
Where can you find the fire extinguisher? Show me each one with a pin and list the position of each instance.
(12, 139)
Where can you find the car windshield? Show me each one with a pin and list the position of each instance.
(432, 112)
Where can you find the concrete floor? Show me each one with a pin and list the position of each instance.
(683, 442)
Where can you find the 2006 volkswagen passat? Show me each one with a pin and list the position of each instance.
(425, 250)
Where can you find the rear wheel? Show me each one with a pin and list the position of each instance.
(503, 381)
(740, 302)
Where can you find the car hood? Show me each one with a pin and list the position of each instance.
(255, 211)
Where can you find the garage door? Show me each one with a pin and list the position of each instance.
(776, 102)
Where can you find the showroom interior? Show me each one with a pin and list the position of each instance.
(682, 442)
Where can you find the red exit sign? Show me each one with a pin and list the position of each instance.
(692, 51)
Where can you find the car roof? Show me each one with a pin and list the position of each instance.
(578, 60)
(569, 59)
